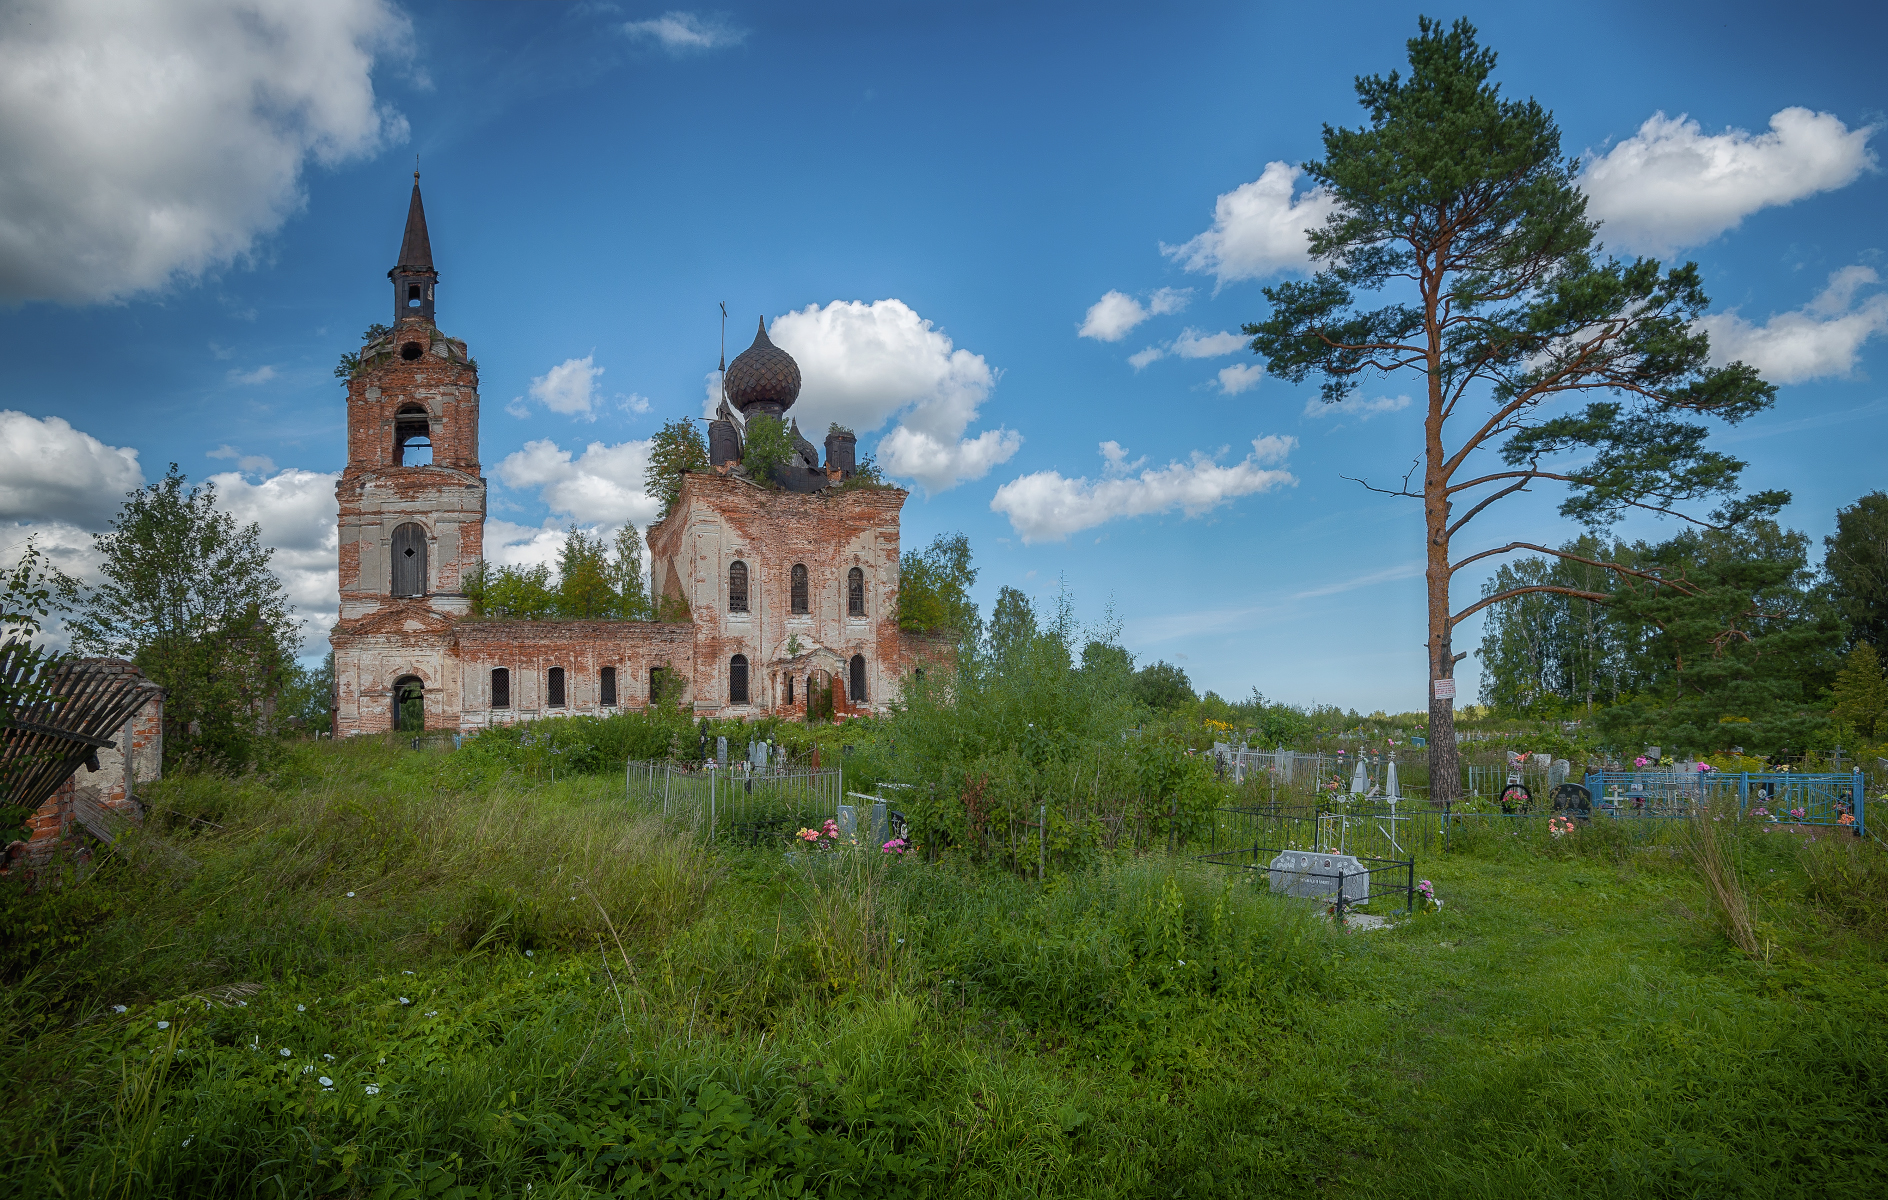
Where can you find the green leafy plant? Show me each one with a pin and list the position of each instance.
(676, 449)
(768, 448)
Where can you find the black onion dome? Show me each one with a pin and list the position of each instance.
(762, 374)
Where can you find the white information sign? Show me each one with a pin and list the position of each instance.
(1444, 689)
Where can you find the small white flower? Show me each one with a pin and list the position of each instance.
(301, 1008)
(118, 1008)
(383, 1062)
(404, 1000)
(257, 1043)
(329, 1057)
(309, 1069)
(350, 895)
(1183, 962)
(243, 1003)
(187, 1141)
(434, 1013)
(163, 1024)
(326, 1082)
(527, 954)
(371, 1089)
(286, 1052)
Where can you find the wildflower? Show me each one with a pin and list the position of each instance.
(404, 1000)
(371, 1089)
(286, 1052)
(895, 846)
(434, 1013)
(187, 1141)
(309, 1069)
(118, 1008)
(329, 1057)
(1797, 813)
(409, 972)
(163, 1024)
(383, 1061)
(301, 1008)
(350, 895)
(326, 1082)
(530, 954)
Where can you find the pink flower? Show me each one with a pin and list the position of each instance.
(830, 828)
(895, 846)
(808, 835)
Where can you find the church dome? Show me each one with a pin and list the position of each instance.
(763, 376)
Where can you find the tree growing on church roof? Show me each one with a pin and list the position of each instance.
(676, 449)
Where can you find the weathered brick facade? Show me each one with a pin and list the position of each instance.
(410, 535)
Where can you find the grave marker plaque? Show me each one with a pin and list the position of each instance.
(1315, 873)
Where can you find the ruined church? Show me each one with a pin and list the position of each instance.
(790, 582)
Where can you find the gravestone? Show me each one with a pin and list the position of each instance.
(1359, 782)
(875, 834)
(721, 751)
(1557, 771)
(1312, 873)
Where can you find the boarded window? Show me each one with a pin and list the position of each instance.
(557, 687)
(609, 687)
(799, 587)
(737, 679)
(737, 587)
(855, 593)
(858, 679)
(501, 687)
(409, 560)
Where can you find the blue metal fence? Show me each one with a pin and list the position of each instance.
(1789, 797)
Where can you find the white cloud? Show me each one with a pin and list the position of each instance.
(603, 485)
(1820, 339)
(1240, 377)
(50, 471)
(635, 403)
(1190, 344)
(569, 387)
(1258, 229)
(141, 143)
(1362, 410)
(1047, 507)
(1110, 318)
(685, 33)
(508, 544)
(295, 514)
(261, 374)
(864, 364)
(249, 464)
(1671, 185)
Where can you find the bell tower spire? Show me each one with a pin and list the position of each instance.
(413, 275)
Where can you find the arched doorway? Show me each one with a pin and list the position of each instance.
(409, 704)
(819, 695)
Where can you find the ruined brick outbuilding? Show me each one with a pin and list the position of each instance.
(791, 584)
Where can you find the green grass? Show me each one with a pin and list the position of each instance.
(598, 1005)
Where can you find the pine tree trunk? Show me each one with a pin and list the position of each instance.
(1445, 771)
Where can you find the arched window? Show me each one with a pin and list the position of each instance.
(412, 437)
(409, 704)
(557, 687)
(409, 560)
(656, 676)
(501, 687)
(858, 679)
(737, 587)
(737, 679)
(855, 593)
(789, 689)
(608, 687)
(799, 587)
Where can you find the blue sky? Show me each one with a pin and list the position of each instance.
(931, 205)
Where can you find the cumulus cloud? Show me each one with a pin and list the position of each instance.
(261, 374)
(1362, 410)
(509, 544)
(602, 485)
(685, 33)
(252, 464)
(1190, 344)
(50, 471)
(1046, 506)
(1820, 339)
(568, 388)
(141, 143)
(295, 515)
(865, 364)
(1258, 229)
(1672, 185)
(1240, 377)
(1110, 318)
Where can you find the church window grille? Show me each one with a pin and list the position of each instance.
(855, 593)
(737, 679)
(501, 687)
(737, 587)
(557, 687)
(608, 686)
(799, 587)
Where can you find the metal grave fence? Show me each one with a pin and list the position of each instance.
(1345, 880)
(740, 803)
(1826, 798)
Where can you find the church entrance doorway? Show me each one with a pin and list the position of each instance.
(409, 705)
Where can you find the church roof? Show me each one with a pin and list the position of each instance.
(416, 249)
(762, 373)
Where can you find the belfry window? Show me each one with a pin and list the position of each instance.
(557, 687)
(737, 587)
(412, 437)
(608, 687)
(413, 297)
(501, 687)
(799, 588)
(737, 679)
(855, 593)
(409, 561)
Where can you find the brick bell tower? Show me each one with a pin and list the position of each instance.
(412, 507)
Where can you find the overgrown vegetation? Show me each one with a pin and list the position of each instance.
(378, 972)
(767, 448)
(594, 581)
(676, 449)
